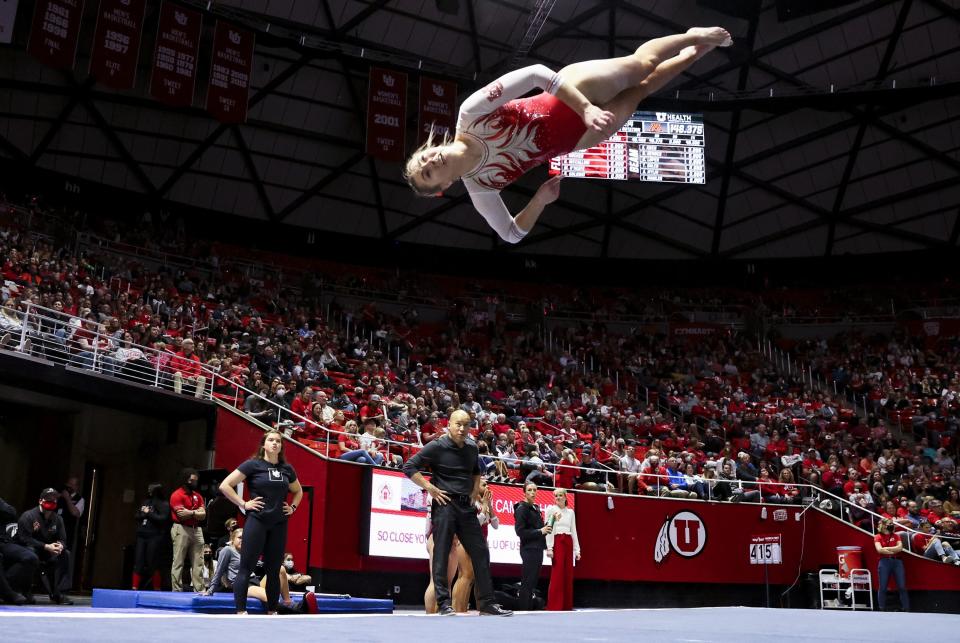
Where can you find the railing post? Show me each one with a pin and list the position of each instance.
(23, 327)
(156, 371)
(96, 349)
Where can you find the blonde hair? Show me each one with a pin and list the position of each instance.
(414, 165)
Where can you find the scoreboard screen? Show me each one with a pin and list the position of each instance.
(652, 146)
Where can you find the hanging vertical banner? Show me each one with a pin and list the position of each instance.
(53, 36)
(230, 65)
(8, 18)
(116, 42)
(438, 102)
(386, 114)
(175, 56)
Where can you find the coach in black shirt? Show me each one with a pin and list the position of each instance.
(455, 488)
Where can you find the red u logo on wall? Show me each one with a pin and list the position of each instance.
(685, 534)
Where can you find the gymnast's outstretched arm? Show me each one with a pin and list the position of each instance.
(513, 229)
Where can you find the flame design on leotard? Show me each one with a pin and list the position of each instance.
(511, 136)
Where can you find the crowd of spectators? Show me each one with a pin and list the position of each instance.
(707, 418)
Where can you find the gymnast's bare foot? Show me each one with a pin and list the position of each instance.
(716, 36)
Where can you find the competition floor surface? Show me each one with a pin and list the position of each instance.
(691, 625)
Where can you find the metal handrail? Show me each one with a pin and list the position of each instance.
(53, 335)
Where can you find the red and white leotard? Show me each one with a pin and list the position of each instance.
(515, 136)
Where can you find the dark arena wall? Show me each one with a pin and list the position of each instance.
(619, 566)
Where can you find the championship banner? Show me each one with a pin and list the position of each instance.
(8, 18)
(386, 114)
(438, 103)
(175, 56)
(53, 36)
(116, 42)
(230, 65)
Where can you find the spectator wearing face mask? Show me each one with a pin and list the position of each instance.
(889, 546)
(295, 580)
(153, 522)
(42, 530)
(187, 512)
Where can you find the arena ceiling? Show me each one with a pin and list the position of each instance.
(794, 169)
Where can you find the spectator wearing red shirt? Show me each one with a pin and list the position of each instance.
(930, 546)
(187, 512)
(186, 366)
(889, 546)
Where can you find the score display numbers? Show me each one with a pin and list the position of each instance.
(766, 550)
(664, 147)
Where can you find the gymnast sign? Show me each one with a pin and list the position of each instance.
(500, 136)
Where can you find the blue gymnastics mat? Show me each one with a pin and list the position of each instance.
(222, 603)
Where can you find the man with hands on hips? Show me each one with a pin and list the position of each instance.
(455, 489)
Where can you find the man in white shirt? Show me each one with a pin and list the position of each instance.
(630, 469)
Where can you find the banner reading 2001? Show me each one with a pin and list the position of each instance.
(386, 114)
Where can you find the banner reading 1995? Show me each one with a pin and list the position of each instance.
(386, 114)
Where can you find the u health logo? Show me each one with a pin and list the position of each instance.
(684, 533)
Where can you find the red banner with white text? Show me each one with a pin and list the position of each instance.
(230, 65)
(53, 35)
(8, 18)
(116, 43)
(386, 114)
(175, 55)
(438, 105)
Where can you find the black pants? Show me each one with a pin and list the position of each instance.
(530, 574)
(17, 565)
(147, 554)
(460, 519)
(269, 540)
(55, 569)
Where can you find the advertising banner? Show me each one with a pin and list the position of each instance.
(398, 518)
(8, 18)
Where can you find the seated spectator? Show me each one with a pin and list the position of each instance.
(532, 467)
(592, 476)
(296, 580)
(186, 367)
(41, 530)
(654, 480)
(695, 483)
(367, 449)
(17, 563)
(630, 469)
(929, 544)
(130, 362)
(256, 405)
(677, 484)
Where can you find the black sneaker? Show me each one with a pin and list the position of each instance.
(14, 599)
(28, 599)
(60, 599)
(494, 609)
(446, 610)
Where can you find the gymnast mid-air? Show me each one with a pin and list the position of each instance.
(498, 139)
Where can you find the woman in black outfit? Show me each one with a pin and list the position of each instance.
(528, 523)
(269, 479)
(153, 531)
